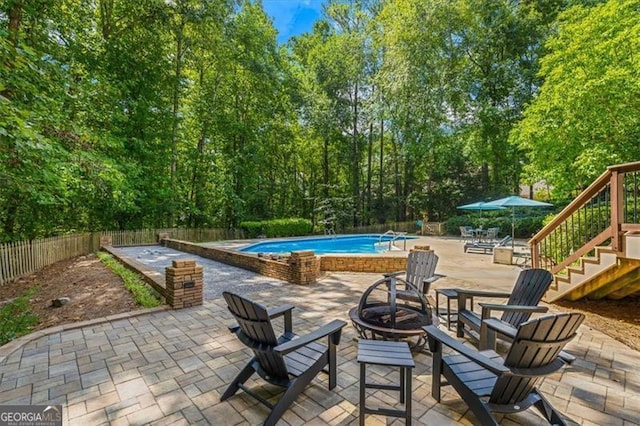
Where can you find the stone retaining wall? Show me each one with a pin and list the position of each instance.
(302, 267)
(359, 263)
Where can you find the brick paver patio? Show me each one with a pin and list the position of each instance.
(170, 367)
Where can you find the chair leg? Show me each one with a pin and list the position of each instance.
(242, 377)
(547, 410)
(478, 407)
(289, 395)
(436, 369)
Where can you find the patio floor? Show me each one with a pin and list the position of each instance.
(170, 367)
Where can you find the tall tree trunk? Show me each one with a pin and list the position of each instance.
(175, 121)
(380, 213)
(367, 209)
(396, 175)
(355, 172)
(325, 167)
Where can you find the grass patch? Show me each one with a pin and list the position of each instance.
(145, 296)
(16, 318)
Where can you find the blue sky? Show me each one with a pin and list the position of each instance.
(293, 17)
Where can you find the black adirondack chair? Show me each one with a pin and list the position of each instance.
(421, 270)
(288, 361)
(488, 383)
(523, 300)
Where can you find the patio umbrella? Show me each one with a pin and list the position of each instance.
(514, 201)
(480, 205)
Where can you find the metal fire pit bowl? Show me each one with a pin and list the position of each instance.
(393, 309)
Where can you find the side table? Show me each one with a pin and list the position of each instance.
(448, 293)
(392, 354)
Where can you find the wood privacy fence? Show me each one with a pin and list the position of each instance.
(20, 258)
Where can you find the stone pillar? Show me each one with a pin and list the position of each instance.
(304, 267)
(162, 236)
(106, 240)
(184, 284)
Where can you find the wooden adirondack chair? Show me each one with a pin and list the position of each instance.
(523, 300)
(421, 270)
(488, 383)
(288, 361)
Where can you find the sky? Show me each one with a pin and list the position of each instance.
(293, 17)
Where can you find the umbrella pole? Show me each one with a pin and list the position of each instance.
(513, 226)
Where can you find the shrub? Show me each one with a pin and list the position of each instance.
(526, 226)
(144, 295)
(16, 318)
(277, 228)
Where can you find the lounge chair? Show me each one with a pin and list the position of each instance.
(486, 248)
(488, 383)
(421, 267)
(287, 361)
(522, 301)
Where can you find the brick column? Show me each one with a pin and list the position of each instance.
(184, 284)
(304, 267)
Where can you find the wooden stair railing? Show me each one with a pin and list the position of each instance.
(598, 216)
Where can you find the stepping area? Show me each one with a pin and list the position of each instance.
(171, 366)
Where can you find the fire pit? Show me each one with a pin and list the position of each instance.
(392, 309)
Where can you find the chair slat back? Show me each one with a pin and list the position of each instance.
(421, 265)
(536, 345)
(528, 290)
(256, 326)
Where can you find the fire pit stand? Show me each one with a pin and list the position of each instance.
(392, 309)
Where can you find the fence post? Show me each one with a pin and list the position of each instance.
(617, 188)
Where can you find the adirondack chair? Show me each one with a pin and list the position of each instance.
(421, 267)
(488, 383)
(522, 301)
(287, 361)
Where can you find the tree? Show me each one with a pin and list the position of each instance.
(587, 114)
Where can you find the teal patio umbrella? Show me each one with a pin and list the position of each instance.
(480, 205)
(514, 201)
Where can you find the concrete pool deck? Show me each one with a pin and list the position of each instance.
(170, 367)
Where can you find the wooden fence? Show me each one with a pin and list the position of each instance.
(21, 258)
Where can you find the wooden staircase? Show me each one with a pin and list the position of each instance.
(605, 275)
(592, 247)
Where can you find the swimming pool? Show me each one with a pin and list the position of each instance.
(357, 244)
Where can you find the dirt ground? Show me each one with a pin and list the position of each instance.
(96, 292)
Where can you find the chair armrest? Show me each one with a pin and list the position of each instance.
(393, 274)
(464, 294)
(434, 334)
(433, 278)
(481, 293)
(488, 307)
(332, 329)
(280, 311)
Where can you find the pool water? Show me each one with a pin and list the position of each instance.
(357, 244)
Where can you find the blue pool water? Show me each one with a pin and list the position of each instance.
(362, 244)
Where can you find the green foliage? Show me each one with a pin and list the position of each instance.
(587, 114)
(525, 226)
(16, 318)
(125, 115)
(277, 228)
(143, 294)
